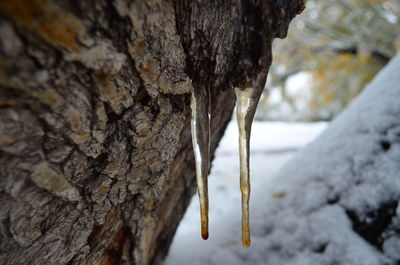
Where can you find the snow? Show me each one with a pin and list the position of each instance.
(271, 136)
(278, 106)
(300, 216)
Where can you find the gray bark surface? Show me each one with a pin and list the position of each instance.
(96, 163)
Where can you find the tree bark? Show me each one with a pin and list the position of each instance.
(96, 163)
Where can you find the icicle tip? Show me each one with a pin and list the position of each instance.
(204, 227)
(246, 243)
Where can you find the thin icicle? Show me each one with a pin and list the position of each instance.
(200, 125)
(245, 109)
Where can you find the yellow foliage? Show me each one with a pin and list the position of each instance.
(333, 72)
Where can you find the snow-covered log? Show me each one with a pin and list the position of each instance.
(336, 201)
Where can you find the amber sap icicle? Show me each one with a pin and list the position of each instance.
(244, 116)
(200, 125)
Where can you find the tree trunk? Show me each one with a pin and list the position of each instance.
(96, 163)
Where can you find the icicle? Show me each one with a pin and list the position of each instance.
(246, 103)
(200, 125)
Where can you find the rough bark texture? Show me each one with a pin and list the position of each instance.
(96, 163)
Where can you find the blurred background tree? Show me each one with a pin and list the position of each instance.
(335, 48)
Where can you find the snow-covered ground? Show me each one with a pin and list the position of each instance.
(335, 202)
(272, 144)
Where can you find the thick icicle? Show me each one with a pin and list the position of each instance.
(246, 104)
(200, 125)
